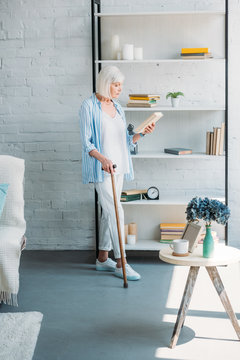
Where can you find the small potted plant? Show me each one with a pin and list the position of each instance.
(208, 210)
(174, 97)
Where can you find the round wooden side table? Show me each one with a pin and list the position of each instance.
(223, 255)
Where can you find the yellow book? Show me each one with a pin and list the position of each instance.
(194, 50)
(133, 192)
(172, 225)
(144, 98)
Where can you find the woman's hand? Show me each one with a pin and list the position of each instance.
(149, 129)
(107, 166)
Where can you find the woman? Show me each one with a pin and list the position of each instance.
(105, 141)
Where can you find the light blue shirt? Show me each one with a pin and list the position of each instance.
(90, 131)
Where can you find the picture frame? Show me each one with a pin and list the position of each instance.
(191, 233)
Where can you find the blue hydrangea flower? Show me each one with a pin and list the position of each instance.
(208, 210)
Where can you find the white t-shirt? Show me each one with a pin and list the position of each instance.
(114, 145)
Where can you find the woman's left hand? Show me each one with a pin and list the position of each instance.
(149, 129)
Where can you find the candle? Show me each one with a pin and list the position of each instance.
(138, 53)
(132, 229)
(127, 53)
(115, 46)
(131, 239)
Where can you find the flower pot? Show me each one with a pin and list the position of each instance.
(208, 243)
(175, 102)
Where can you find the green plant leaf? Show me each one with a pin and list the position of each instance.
(174, 94)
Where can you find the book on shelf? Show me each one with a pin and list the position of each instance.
(171, 232)
(208, 142)
(194, 50)
(139, 105)
(215, 140)
(133, 197)
(172, 226)
(143, 96)
(178, 151)
(152, 101)
(164, 241)
(222, 136)
(196, 57)
(142, 100)
(170, 237)
(194, 54)
(134, 192)
(151, 119)
(218, 141)
(211, 143)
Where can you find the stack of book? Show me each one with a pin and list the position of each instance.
(215, 140)
(214, 235)
(171, 231)
(142, 100)
(195, 53)
(132, 195)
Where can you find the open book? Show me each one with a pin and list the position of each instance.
(151, 119)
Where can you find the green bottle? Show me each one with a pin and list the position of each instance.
(208, 243)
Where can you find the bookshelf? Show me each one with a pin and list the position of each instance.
(157, 61)
(162, 155)
(163, 13)
(194, 116)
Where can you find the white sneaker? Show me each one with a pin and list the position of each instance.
(130, 273)
(108, 265)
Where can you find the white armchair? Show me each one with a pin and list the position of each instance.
(12, 227)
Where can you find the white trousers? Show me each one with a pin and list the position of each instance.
(108, 234)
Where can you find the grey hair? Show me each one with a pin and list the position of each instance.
(107, 76)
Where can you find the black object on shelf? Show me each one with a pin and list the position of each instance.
(133, 148)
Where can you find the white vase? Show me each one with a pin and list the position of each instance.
(175, 102)
(127, 52)
(138, 53)
(115, 46)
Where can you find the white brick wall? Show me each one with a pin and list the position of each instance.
(45, 73)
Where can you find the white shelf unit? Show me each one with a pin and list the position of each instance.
(162, 155)
(162, 13)
(168, 201)
(158, 61)
(147, 241)
(146, 245)
(181, 108)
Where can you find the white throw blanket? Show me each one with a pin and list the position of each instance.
(12, 227)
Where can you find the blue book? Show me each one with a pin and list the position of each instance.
(178, 151)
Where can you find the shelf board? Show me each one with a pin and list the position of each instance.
(146, 245)
(180, 108)
(162, 13)
(162, 155)
(165, 201)
(157, 61)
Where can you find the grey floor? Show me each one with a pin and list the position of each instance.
(89, 315)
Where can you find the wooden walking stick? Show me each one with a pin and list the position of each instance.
(125, 284)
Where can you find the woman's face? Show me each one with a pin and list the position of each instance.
(115, 89)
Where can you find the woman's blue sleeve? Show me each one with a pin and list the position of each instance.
(86, 125)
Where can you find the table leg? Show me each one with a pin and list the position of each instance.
(192, 276)
(217, 282)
